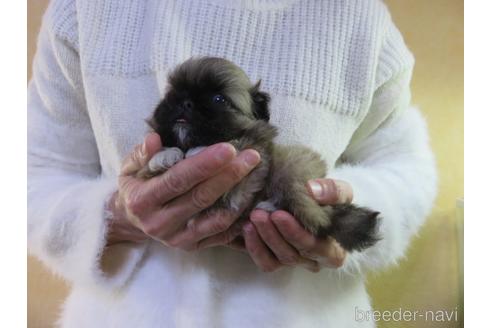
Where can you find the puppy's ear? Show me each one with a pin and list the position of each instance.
(261, 101)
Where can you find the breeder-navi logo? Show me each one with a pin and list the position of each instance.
(406, 315)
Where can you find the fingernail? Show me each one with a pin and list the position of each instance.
(252, 158)
(316, 188)
(224, 152)
(144, 147)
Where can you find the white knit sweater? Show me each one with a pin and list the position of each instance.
(338, 72)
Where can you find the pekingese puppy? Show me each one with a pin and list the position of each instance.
(211, 100)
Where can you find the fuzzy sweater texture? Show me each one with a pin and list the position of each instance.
(338, 72)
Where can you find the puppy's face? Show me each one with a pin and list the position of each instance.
(209, 100)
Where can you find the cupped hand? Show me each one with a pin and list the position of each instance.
(275, 240)
(167, 207)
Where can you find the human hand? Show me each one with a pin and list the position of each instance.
(276, 239)
(165, 207)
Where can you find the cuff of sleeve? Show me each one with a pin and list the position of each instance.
(89, 260)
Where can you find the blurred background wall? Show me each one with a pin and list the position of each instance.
(429, 278)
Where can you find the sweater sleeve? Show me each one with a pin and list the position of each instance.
(389, 162)
(67, 193)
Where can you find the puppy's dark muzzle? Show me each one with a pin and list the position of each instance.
(187, 105)
(185, 111)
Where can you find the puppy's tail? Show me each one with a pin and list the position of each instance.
(355, 228)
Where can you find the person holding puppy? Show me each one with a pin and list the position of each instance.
(338, 73)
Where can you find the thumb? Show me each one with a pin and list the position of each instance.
(141, 154)
(330, 191)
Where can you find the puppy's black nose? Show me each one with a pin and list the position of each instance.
(188, 104)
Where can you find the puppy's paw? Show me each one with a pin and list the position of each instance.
(164, 159)
(266, 206)
(161, 162)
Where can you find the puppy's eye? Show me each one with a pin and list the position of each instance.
(218, 99)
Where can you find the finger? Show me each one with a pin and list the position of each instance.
(282, 250)
(222, 239)
(330, 191)
(258, 251)
(189, 172)
(326, 252)
(159, 190)
(293, 232)
(215, 227)
(175, 213)
(141, 154)
(211, 223)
